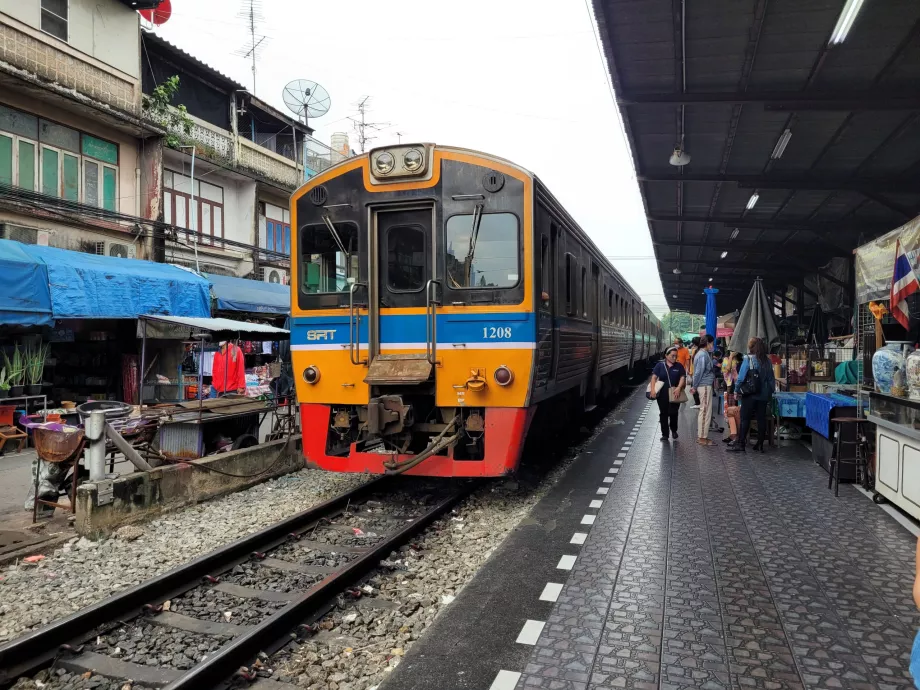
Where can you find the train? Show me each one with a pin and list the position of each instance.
(443, 304)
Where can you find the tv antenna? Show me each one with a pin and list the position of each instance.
(361, 124)
(251, 12)
(306, 99)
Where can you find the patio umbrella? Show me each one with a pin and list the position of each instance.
(817, 330)
(755, 320)
(712, 319)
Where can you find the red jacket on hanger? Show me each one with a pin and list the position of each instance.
(228, 372)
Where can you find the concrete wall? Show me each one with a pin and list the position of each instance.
(143, 495)
(106, 30)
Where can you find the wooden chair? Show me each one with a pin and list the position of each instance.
(8, 432)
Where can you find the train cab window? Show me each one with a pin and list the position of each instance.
(483, 251)
(328, 261)
(406, 258)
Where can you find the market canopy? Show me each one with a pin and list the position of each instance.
(240, 294)
(88, 286)
(185, 327)
(25, 299)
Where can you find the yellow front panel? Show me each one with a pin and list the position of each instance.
(456, 365)
(340, 382)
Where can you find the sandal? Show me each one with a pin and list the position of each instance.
(704, 442)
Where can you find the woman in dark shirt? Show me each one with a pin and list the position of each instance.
(673, 375)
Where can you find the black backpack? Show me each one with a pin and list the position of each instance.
(751, 384)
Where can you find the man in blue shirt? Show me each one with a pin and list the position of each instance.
(703, 378)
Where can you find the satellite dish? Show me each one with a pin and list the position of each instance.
(158, 16)
(306, 99)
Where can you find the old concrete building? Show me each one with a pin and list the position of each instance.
(75, 150)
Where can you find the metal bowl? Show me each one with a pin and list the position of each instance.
(112, 408)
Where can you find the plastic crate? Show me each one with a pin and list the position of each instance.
(790, 404)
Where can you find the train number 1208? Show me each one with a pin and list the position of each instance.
(496, 333)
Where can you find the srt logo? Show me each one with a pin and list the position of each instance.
(321, 335)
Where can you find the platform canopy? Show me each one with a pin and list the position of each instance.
(185, 328)
(254, 296)
(801, 121)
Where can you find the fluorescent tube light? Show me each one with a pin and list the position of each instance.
(845, 21)
(724, 254)
(735, 233)
(752, 202)
(781, 144)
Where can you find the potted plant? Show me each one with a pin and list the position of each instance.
(16, 372)
(34, 362)
(4, 384)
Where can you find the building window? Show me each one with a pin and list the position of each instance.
(208, 215)
(54, 18)
(39, 155)
(276, 224)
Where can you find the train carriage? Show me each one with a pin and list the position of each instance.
(441, 298)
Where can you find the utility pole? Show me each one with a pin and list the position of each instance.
(361, 124)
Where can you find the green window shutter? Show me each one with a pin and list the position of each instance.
(27, 165)
(100, 149)
(49, 172)
(71, 178)
(108, 189)
(6, 160)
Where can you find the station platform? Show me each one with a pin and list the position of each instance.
(672, 565)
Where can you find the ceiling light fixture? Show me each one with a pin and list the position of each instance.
(752, 202)
(673, 296)
(724, 254)
(676, 271)
(715, 270)
(845, 21)
(781, 144)
(710, 280)
(679, 158)
(735, 233)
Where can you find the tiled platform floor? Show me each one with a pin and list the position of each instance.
(708, 569)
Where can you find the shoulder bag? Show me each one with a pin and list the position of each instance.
(751, 384)
(673, 395)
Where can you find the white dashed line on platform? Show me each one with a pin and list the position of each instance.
(530, 633)
(578, 538)
(551, 592)
(603, 490)
(566, 563)
(505, 680)
(608, 480)
(617, 462)
(588, 519)
(596, 504)
(621, 455)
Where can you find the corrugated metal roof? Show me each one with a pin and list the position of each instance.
(222, 326)
(731, 77)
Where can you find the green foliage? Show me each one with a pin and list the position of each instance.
(34, 362)
(679, 322)
(4, 380)
(157, 107)
(15, 367)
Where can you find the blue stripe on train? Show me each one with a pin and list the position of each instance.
(517, 327)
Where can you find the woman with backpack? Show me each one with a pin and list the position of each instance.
(755, 385)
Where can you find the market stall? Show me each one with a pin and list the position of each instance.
(887, 328)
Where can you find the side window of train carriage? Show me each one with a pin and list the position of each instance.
(546, 275)
(328, 257)
(483, 251)
(584, 292)
(569, 284)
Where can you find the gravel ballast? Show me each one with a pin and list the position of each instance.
(82, 571)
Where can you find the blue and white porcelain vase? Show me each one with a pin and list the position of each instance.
(885, 364)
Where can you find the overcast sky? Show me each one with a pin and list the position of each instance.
(500, 76)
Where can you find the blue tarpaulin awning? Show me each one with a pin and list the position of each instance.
(87, 286)
(240, 294)
(24, 296)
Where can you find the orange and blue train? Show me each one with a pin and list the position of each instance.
(444, 303)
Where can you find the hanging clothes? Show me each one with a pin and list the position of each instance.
(228, 374)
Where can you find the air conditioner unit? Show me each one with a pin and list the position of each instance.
(274, 275)
(120, 250)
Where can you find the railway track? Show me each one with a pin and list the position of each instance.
(279, 580)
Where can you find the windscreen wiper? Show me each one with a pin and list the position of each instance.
(335, 236)
(474, 236)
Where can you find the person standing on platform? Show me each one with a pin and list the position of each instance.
(672, 374)
(683, 354)
(694, 349)
(703, 378)
(228, 372)
(756, 401)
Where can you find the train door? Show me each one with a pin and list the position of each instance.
(547, 333)
(594, 313)
(401, 290)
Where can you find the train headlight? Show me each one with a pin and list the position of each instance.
(384, 162)
(413, 160)
(503, 376)
(311, 374)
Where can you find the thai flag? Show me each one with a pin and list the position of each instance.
(903, 283)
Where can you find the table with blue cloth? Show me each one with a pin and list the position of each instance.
(789, 405)
(820, 410)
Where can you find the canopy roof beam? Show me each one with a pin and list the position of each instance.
(843, 101)
(876, 185)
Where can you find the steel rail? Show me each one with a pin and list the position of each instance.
(38, 648)
(220, 667)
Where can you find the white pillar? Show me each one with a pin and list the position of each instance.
(95, 432)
